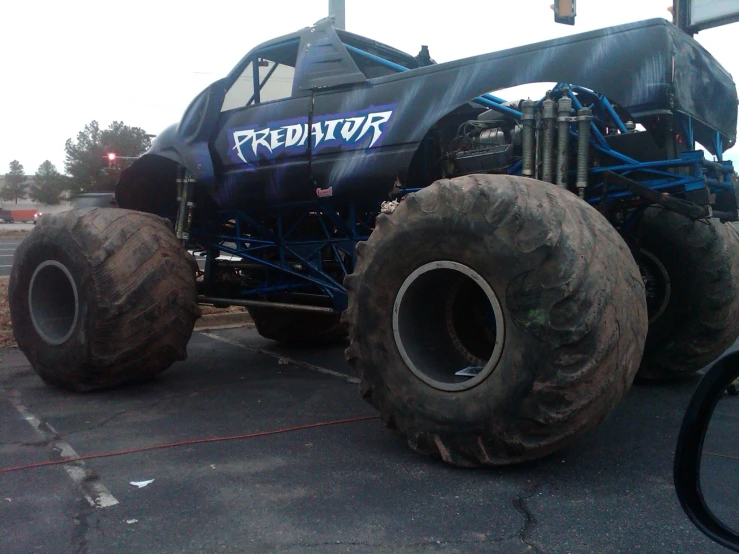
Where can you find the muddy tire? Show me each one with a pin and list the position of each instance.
(298, 329)
(550, 300)
(694, 317)
(100, 297)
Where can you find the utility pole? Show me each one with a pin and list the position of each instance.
(336, 9)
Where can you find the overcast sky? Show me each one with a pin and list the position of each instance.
(65, 63)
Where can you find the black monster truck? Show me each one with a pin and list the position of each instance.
(504, 269)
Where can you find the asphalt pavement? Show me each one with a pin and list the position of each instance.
(346, 487)
(7, 250)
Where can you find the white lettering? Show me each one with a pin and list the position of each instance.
(293, 133)
(305, 135)
(350, 127)
(330, 128)
(260, 137)
(374, 120)
(241, 138)
(318, 133)
(349, 131)
(275, 138)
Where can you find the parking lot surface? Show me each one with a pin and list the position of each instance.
(346, 487)
(7, 251)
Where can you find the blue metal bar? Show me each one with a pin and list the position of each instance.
(403, 192)
(281, 251)
(674, 178)
(486, 99)
(378, 59)
(498, 107)
(261, 261)
(718, 142)
(614, 154)
(267, 289)
(336, 218)
(296, 224)
(688, 130)
(597, 135)
(680, 162)
(614, 115)
(332, 245)
(515, 167)
(329, 280)
(720, 184)
(626, 193)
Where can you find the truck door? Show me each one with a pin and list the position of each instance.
(262, 141)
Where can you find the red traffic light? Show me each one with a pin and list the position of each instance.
(111, 157)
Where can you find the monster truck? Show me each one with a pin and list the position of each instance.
(505, 269)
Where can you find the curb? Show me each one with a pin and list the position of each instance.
(223, 321)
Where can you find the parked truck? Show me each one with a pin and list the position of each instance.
(502, 269)
(18, 216)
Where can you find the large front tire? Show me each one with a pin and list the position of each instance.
(521, 286)
(100, 297)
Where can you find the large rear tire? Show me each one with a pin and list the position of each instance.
(692, 277)
(298, 329)
(100, 297)
(518, 284)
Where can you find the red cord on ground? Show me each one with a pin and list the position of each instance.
(188, 442)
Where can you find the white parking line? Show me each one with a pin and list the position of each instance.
(6, 255)
(94, 491)
(6, 266)
(293, 361)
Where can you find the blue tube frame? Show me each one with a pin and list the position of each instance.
(486, 99)
(306, 236)
(294, 249)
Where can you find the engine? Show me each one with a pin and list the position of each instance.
(489, 144)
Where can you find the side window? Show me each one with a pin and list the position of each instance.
(276, 74)
(276, 80)
(241, 91)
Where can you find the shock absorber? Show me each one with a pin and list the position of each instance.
(549, 117)
(528, 119)
(584, 117)
(564, 107)
(185, 187)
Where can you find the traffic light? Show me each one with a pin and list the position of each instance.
(564, 11)
(111, 159)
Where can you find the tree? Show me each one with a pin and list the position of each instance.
(15, 183)
(48, 185)
(87, 162)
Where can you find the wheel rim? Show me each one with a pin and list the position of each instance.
(53, 302)
(656, 284)
(447, 319)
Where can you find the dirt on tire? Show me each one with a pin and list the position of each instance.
(298, 329)
(573, 305)
(133, 286)
(701, 317)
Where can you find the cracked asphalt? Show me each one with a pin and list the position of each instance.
(352, 487)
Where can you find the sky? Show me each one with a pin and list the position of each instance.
(66, 63)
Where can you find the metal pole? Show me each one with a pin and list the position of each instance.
(336, 9)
